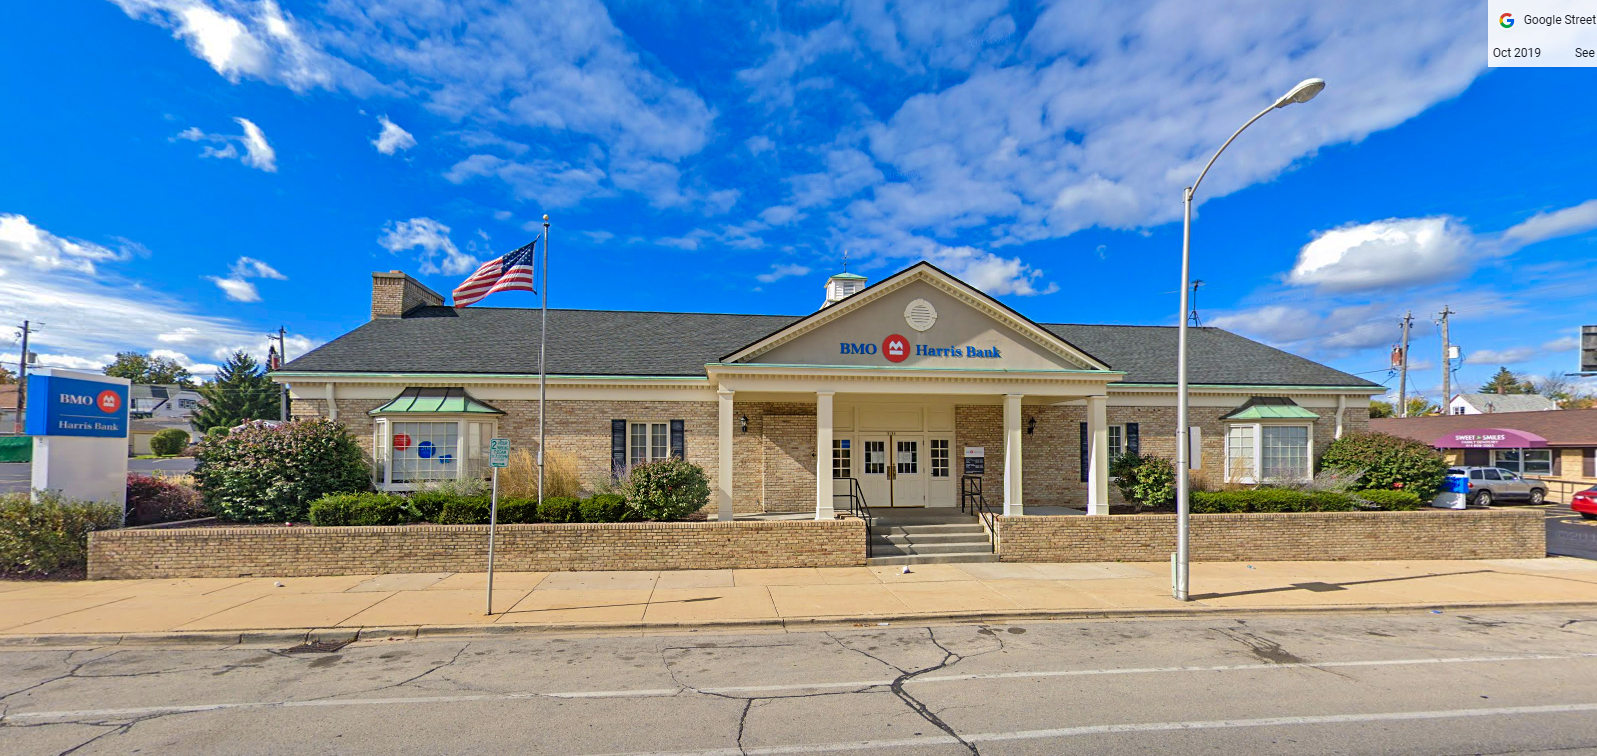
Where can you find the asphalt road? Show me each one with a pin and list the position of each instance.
(1413, 683)
(16, 476)
(1569, 534)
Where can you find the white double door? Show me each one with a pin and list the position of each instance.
(906, 470)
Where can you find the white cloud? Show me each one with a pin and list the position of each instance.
(759, 144)
(438, 254)
(1393, 252)
(781, 215)
(990, 273)
(551, 183)
(1338, 331)
(1543, 226)
(22, 242)
(236, 289)
(236, 285)
(257, 152)
(1563, 344)
(1511, 356)
(392, 138)
(779, 272)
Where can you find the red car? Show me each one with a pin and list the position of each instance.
(1585, 502)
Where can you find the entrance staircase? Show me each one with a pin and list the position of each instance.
(927, 536)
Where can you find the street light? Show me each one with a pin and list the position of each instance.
(1303, 92)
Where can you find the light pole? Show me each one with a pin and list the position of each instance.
(1303, 92)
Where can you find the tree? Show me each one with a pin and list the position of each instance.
(6, 376)
(142, 368)
(1419, 405)
(1562, 388)
(1379, 408)
(1505, 382)
(240, 392)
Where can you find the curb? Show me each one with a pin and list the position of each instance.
(293, 637)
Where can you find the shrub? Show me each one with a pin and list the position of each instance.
(217, 431)
(360, 509)
(465, 510)
(605, 508)
(169, 442)
(560, 509)
(1389, 499)
(1144, 481)
(669, 489)
(520, 478)
(1389, 462)
(260, 473)
(153, 500)
(518, 511)
(49, 535)
(427, 505)
(1272, 500)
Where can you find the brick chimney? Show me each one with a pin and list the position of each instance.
(394, 294)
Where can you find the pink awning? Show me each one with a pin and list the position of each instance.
(1490, 438)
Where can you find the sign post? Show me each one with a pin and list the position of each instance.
(498, 456)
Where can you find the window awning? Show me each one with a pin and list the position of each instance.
(420, 400)
(1269, 408)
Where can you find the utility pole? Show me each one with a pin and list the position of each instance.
(1447, 362)
(1402, 380)
(22, 378)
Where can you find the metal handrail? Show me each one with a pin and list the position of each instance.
(970, 495)
(857, 505)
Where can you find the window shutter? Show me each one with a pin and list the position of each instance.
(1588, 463)
(618, 447)
(1558, 461)
(679, 440)
(1133, 440)
(1085, 461)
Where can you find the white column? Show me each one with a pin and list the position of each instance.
(723, 486)
(1013, 503)
(823, 455)
(1097, 456)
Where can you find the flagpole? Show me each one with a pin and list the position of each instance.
(543, 339)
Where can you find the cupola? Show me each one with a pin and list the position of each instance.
(842, 286)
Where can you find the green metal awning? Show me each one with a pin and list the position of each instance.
(1269, 408)
(435, 401)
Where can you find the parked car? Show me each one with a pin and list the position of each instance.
(1585, 502)
(1490, 484)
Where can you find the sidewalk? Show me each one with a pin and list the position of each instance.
(405, 605)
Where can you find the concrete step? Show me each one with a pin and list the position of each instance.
(930, 538)
(931, 548)
(913, 559)
(927, 529)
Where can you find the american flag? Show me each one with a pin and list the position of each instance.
(513, 272)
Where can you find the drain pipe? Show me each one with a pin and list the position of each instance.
(1341, 405)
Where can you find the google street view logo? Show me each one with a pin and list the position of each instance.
(1506, 20)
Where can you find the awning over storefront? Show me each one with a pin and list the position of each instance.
(435, 400)
(1269, 408)
(1490, 438)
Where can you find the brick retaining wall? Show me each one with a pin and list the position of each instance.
(1307, 536)
(308, 551)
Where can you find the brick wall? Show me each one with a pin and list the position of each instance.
(394, 294)
(302, 552)
(1317, 536)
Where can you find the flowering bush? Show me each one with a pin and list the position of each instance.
(153, 500)
(1384, 461)
(262, 473)
(49, 535)
(666, 490)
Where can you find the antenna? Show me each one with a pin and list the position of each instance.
(1192, 317)
(845, 261)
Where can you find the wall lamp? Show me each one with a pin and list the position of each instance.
(1031, 425)
(743, 423)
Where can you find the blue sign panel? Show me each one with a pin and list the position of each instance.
(62, 406)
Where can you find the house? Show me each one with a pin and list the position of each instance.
(911, 388)
(10, 422)
(154, 407)
(1560, 445)
(1486, 404)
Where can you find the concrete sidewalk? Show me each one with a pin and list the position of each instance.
(405, 605)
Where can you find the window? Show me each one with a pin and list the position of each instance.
(1459, 410)
(875, 457)
(1493, 474)
(187, 404)
(1477, 475)
(939, 450)
(1260, 452)
(648, 442)
(908, 457)
(1528, 461)
(1117, 443)
(842, 462)
(425, 452)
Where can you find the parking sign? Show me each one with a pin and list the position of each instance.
(499, 452)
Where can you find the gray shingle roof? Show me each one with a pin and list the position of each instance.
(601, 342)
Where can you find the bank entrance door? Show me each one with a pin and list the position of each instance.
(895, 470)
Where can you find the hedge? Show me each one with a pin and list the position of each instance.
(49, 535)
(360, 509)
(560, 509)
(1272, 500)
(1391, 499)
(605, 508)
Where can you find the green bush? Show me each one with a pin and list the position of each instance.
(1384, 461)
(1272, 500)
(272, 474)
(427, 505)
(666, 490)
(217, 432)
(1390, 499)
(360, 509)
(465, 510)
(49, 535)
(169, 442)
(151, 500)
(518, 511)
(560, 509)
(605, 508)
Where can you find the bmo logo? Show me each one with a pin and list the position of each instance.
(107, 401)
(895, 348)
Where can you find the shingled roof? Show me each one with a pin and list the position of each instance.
(617, 343)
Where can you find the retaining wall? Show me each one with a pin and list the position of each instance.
(310, 551)
(1306, 536)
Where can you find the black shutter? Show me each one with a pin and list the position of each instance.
(679, 439)
(618, 447)
(1133, 439)
(1084, 449)
(1588, 463)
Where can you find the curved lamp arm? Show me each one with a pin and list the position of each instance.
(1194, 188)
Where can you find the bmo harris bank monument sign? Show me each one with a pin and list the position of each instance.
(79, 425)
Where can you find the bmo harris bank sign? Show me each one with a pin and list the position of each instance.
(896, 348)
(62, 406)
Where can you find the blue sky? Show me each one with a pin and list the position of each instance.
(184, 175)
